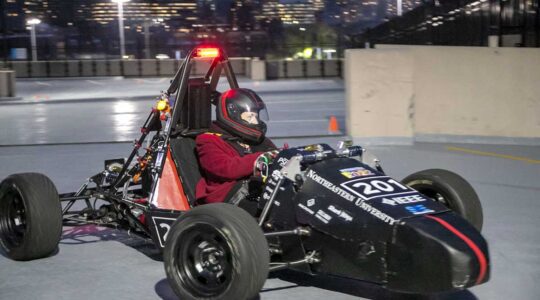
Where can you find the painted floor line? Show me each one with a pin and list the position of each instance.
(492, 154)
(322, 101)
(298, 121)
(95, 82)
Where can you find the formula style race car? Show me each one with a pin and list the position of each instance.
(314, 209)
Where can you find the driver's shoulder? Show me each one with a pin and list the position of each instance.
(208, 137)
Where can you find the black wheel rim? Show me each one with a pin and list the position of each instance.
(12, 218)
(204, 260)
(433, 194)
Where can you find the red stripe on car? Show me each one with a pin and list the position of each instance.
(479, 254)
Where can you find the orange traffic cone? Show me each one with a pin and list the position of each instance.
(333, 126)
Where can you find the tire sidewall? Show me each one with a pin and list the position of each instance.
(241, 257)
(459, 194)
(449, 194)
(43, 228)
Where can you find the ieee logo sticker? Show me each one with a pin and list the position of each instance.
(418, 209)
(355, 172)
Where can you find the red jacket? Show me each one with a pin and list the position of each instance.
(222, 167)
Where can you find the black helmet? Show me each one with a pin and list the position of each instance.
(230, 114)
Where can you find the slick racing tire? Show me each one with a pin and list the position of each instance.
(30, 216)
(451, 190)
(216, 251)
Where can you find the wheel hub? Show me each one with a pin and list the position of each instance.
(12, 219)
(204, 261)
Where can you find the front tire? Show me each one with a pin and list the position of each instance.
(216, 251)
(30, 216)
(451, 190)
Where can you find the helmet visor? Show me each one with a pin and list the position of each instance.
(250, 111)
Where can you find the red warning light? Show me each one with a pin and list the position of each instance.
(207, 52)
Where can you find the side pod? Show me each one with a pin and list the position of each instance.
(436, 253)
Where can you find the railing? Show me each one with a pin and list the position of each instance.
(303, 68)
(93, 68)
(273, 69)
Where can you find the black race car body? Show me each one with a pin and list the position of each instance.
(315, 209)
(369, 226)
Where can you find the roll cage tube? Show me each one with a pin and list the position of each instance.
(179, 85)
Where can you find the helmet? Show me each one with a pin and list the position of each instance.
(241, 112)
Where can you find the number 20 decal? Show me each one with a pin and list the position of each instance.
(373, 187)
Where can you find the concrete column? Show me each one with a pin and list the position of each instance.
(258, 69)
(7, 83)
(493, 41)
(379, 96)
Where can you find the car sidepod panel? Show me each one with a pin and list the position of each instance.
(160, 221)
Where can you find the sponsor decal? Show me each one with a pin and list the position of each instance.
(347, 196)
(418, 209)
(340, 213)
(272, 181)
(302, 206)
(282, 161)
(376, 187)
(375, 212)
(355, 172)
(276, 175)
(311, 202)
(324, 217)
(403, 200)
(327, 184)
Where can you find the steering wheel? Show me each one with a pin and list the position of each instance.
(262, 164)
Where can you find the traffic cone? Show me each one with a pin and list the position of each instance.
(333, 126)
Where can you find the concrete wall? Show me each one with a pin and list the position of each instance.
(445, 93)
(379, 93)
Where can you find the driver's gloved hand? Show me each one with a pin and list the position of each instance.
(270, 155)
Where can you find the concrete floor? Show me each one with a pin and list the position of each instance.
(121, 106)
(96, 263)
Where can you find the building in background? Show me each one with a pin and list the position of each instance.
(506, 23)
(81, 29)
(291, 12)
(105, 11)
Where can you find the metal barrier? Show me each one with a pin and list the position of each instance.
(277, 69)
(93, 68)
(273, 69)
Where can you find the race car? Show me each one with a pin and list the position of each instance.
(314, 209)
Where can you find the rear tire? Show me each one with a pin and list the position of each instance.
(451, 190)
(30, 216)
(216, 251)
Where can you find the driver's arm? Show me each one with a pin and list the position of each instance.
(215, 158)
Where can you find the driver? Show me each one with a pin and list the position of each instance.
(229, 150)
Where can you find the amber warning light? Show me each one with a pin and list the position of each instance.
(207, 52)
